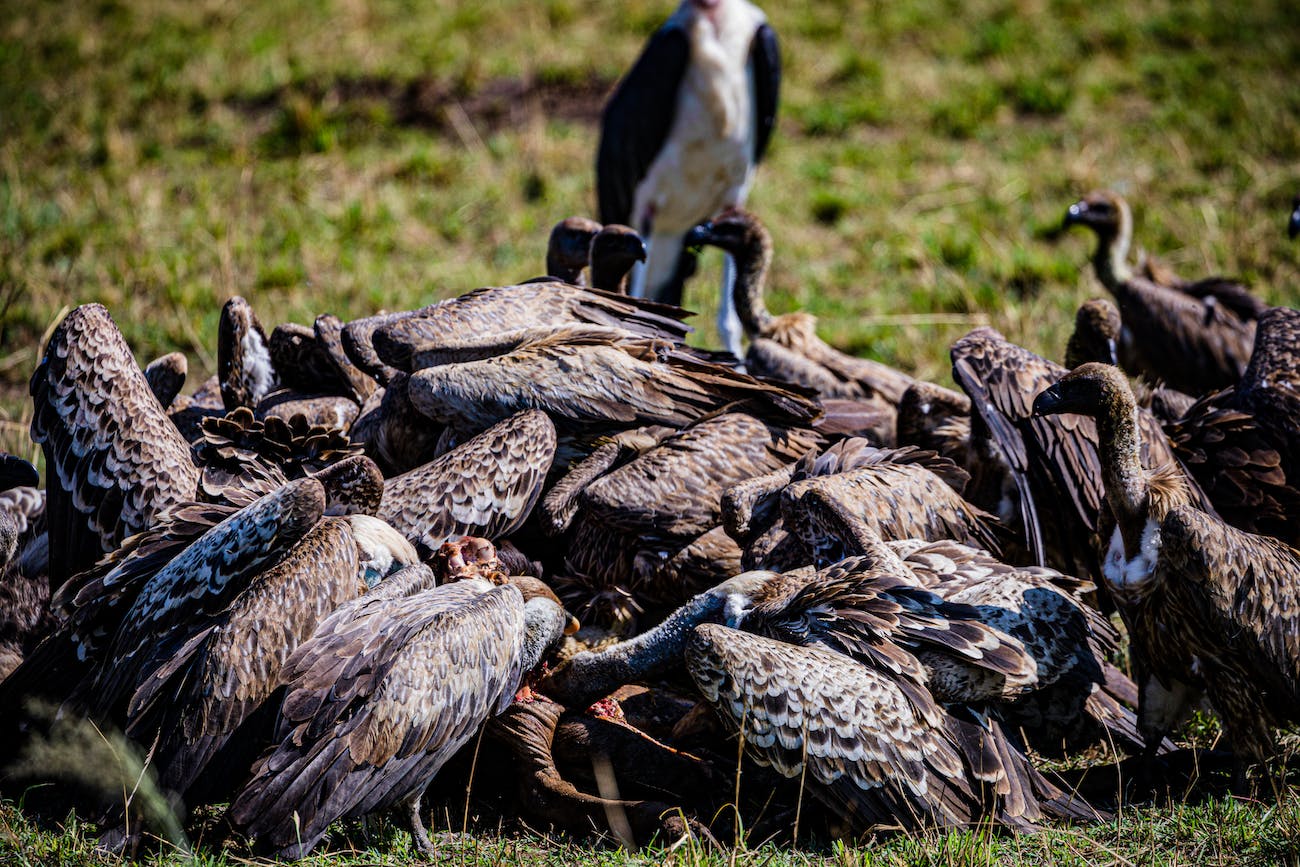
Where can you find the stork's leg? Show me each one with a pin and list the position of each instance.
(729, 328)
(659, 279)
(419, 834)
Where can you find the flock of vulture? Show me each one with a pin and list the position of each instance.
(534, 516)
(527, 553)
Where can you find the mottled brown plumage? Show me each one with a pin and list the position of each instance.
(676, 487)
(935, 418)
(113, 458)
(240, 450)
(328, 329)
(1078, 697)
(180, 600)
(649, 530)
(874, 745)
(833, 680)
(198, 697)
(485, 487)
(890, 493)
(1046, 469)
(24, 587)
(498, 309)
(1171, 335)
(394, 433)
(1210, 609)
(787, 347)
(313, 361)
(385, 691)
(1242, 444)
(591, 379)
(333, 411)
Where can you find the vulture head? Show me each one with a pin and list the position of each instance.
(614, 250)
(1103, 211)
(567, 249)
(734, 231)
(1096, 334)
(1090, 389)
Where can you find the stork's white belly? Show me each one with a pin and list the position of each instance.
(706, 161)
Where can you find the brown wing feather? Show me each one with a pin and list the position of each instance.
(1247, 585)
(113, 458)
(1243, 443)
(486, 487)
(195, 702)
(1053, 461)
(497, 309)
(890, 500)
(584, 375)
(676, 488)
(1177, 339)
(378, 699)
(874, 750)
(183, 596)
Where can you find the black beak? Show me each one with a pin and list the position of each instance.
(699, 236)
(1078, 213)
(1112, 352)
(1293, 228)
(1047, 402)
(638, 249)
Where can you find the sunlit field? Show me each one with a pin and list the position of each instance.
(160, 156)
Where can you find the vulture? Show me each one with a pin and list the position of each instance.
(244, 366)
(610, 251)
(484, 487)
(113, 458)
(568, 250)
(391, 342)
(682, 134)
(166, 377)
(845, 693)
(787, 347)
(1211, 610)
(854, 492)
(648, 532)
(1047, 469)
(1194, 338)
(1242, 444)
(585, 377)
(615, 251)
(384, 692)
(24, 597)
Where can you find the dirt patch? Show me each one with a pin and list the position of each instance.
(437, 105)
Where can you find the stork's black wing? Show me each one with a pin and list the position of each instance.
(636, 121)
(765, 67)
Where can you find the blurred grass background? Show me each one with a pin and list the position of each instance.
(348, 156)
(161, 155)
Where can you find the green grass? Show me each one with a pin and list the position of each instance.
(161, 155)
(1223, 831)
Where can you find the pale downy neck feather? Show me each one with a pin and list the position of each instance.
(544, 623)
(259, 373)
(590, 675)
(1111, 256)
(752, 264)
(1128, 490)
